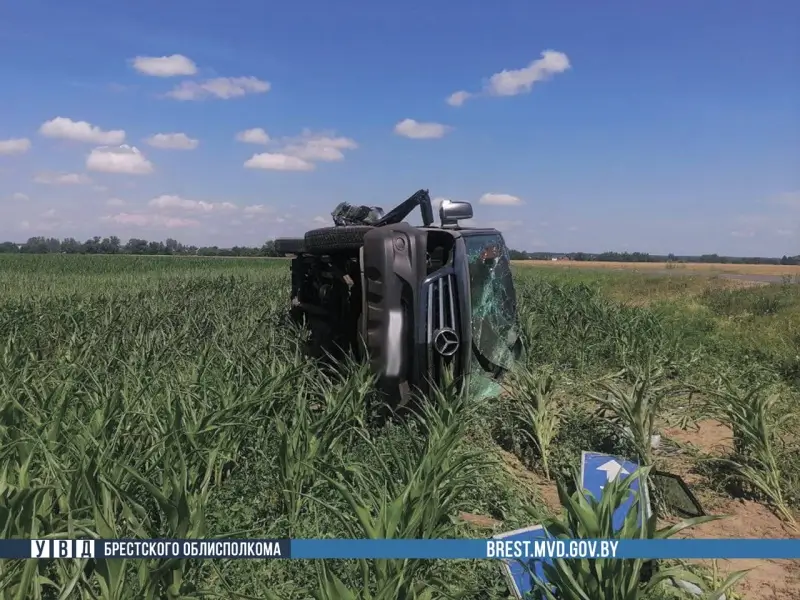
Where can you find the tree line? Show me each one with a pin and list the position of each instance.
(668, 258)
(113, 245)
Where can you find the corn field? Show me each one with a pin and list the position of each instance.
(147, 397)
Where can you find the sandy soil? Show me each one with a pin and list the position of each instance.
(768, 579)
(694, 268)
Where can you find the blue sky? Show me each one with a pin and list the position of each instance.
(652, 126)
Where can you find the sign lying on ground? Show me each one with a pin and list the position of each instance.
(598, 470)
(518, 572)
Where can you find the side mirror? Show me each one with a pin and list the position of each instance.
(674, 495)
(452, 212)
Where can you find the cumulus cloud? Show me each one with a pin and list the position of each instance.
(275, 161)
(62, 179)
(80, 131)
(511, 82)
(164, 66)
(253, 136)
(420, 131)
(173, 202)
(301, 152)
(172, 141)
(120, 159)
(743, 234)
(148, 220)
(458, 98)
(20, 197)
(15, 146)
(224, 88)
(325, 147)
(256, 209)
(520, 81)
(115, 202)
(500, 199)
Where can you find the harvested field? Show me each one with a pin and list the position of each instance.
(700, 268)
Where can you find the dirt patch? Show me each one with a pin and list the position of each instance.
(479, 521)
(708, 436)
(768, 579)
(547, 491)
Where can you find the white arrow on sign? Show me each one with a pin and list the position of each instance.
(612, 469)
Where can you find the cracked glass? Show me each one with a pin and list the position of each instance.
(495, 338)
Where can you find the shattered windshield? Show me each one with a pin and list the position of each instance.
(494, 303)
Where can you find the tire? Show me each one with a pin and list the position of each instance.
(333, 239)
(290, 245)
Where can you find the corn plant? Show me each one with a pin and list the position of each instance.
(632, 400)
(611, 579)
(413, 495)
(751, 414)
(536, 410)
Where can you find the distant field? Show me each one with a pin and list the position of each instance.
(775, 270)
(148, 396)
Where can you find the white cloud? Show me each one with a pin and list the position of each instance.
(115, 202)
(320, 220)
(500, 199)
(172, 141)
(48, 214)
(164, 66)
(784, 232)
(62, 179)
(278, 162)
(19, 196)
(300, 152)
(326, 147)
(420, 131)
(145, 220)
(253, 136)
(15, 146)
(257, 209)
(169, 201)
(458, 98)
(80, 131)
(122, 159)
(743, 234)
(518, 81)
(220, 87)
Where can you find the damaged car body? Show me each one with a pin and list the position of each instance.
(412, 300)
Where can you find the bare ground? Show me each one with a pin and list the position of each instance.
(767, 579)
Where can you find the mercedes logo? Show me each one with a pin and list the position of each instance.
(446, 341)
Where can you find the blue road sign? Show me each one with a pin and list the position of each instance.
(597, 470)
(519, 577)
